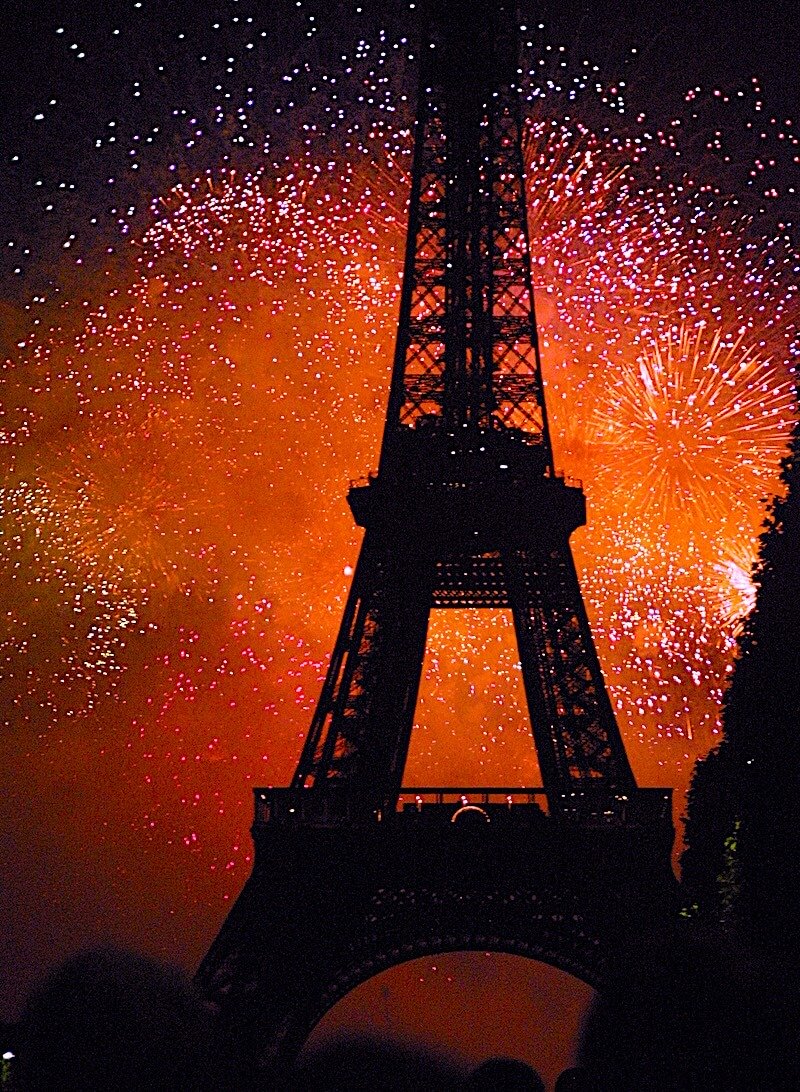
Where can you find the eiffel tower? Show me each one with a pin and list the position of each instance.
(353, 873)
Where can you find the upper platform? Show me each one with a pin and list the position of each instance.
(468, 491)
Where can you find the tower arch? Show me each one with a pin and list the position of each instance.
(352, 872)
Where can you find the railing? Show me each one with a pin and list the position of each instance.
(366, 480)
(304, 807)
(337, 807)
(641, 807)
(461, 796)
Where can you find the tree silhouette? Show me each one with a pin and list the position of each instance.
(712, 816)
(743, 810)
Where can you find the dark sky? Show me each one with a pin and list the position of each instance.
(93, 74)
(110, 829)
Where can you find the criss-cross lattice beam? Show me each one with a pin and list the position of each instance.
(467, 349)
(360, 732)
(577, 738)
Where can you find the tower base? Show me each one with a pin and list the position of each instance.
(334, 900)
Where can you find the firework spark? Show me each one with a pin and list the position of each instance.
(691, 432)
(201, 333)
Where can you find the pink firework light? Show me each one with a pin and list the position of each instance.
(260, 320)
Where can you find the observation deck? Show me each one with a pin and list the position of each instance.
(479, 489)
(472, 806)
(484, 837)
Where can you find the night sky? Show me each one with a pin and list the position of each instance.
(202, 217)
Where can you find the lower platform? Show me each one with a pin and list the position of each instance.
(330, 904)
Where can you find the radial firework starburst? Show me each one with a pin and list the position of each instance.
(691, 431)
(128, 510)
(181, 430)
(735, 593)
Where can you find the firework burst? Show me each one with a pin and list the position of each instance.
(735, 593)
(180, 431)
(691, 432)
(130, 515)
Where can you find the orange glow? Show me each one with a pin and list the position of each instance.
(465, 1007)
(177, 548)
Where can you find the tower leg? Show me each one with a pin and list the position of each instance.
(576, 734)
(362, 726)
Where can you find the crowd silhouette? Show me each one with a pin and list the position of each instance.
(684, 1012)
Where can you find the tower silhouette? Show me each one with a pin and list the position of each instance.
(352, 872)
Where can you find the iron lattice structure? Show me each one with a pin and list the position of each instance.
(352, 873)
(466, 509)
(467, 350)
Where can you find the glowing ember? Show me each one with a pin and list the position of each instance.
(200, 360)
(692, 431)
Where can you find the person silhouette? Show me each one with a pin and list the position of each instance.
(576, 1079)
(504, 1075)
(114, 1021)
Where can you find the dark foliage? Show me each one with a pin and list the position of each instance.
(691, 1010)
(744, 802)
(711, 821)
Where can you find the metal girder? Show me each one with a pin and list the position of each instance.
(467, 348)
(361, 730)
(466, 409)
